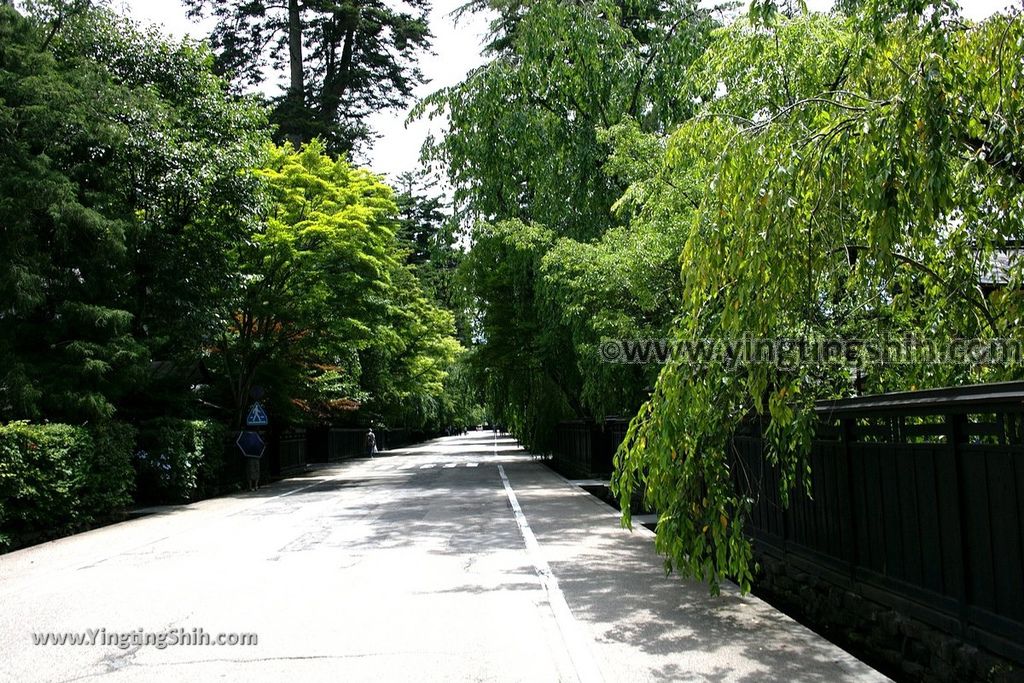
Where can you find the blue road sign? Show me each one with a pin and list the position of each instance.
(251, 444)
(257, 416)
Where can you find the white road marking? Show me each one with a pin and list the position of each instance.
(427, 466)
(451, 465)
(575, 643)
(301, 488)
(472, 464)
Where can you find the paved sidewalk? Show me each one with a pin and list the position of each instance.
(646, 626)
(461, 559)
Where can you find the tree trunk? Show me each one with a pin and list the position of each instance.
(297, 85)
(338, 76)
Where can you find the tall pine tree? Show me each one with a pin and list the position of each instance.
(345, 60)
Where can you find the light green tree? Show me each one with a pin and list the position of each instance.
(861, 175)
(326, 313)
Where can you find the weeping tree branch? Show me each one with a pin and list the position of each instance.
(978, 303)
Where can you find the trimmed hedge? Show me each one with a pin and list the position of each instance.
(180, 460)
(56, 479)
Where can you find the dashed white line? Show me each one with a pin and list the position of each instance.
(301, 488)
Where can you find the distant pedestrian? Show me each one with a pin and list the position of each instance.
(371, 443)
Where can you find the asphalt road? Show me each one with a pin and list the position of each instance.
(460, 560)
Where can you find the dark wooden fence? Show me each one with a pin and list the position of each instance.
(918, 504)
(286, 451)
(584, 449)
(331, 444)
(289, 450)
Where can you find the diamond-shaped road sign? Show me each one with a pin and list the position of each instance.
(251, 444)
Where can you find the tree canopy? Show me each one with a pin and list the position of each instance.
(861, 184)
(154, 239)
(781, 175)
(123, 185)
(531, 168)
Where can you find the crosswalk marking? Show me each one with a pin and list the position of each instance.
(426, 466)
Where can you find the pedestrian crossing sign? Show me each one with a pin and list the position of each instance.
(257, 416)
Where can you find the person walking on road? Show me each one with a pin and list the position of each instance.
(371, 443)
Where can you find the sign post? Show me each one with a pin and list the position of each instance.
(251, 442)
(251, 445)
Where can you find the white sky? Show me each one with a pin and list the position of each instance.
(456, 51)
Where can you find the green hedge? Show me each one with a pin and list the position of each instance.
(56, 479)
(180, 460)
